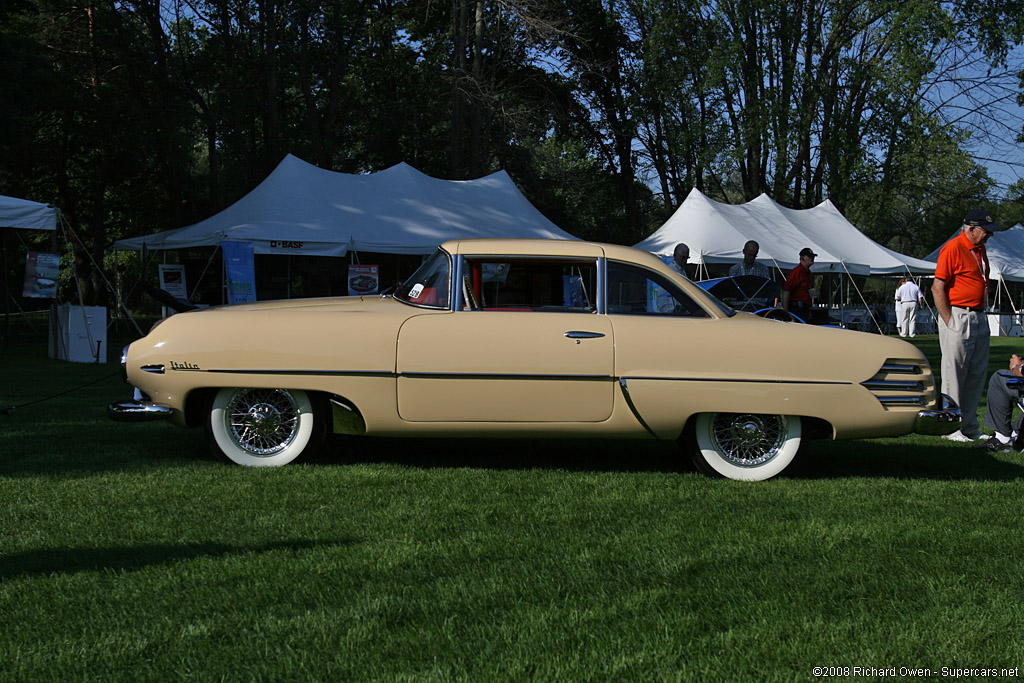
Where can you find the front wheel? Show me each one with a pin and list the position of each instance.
(263, 427)
(745, 446)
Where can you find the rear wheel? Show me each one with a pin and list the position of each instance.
(745, 446)
(264, 427)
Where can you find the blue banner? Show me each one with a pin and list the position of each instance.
(240, 268)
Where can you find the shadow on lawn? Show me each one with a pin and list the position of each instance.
(585, 455)
(889, 458)
(900, 459)
(74, 560)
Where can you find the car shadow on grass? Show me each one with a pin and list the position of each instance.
(821, 459)
(52, 561)
(902, 459)
(611, 455)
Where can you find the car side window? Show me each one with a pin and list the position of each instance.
(638, 291)
(428, 286)
(529, 284)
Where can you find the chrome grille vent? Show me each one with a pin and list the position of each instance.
(902, 382)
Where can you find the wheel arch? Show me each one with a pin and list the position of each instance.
(342, 414)
(813, 428)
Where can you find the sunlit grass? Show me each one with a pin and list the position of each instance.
(127, 553)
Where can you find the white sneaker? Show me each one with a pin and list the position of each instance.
(959, 436)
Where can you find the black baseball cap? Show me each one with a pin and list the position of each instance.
(806, 251)
(980, 218)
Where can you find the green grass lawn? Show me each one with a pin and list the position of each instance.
(128, 553)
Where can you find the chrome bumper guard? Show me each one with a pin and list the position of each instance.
(139, 409)
(132, 411)
(944, 420)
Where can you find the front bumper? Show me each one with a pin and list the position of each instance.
(139, 409)
(944, 420)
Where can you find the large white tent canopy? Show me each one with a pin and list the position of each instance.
(302, 209)
(1005, 253)
(22, 213)
(716, 233)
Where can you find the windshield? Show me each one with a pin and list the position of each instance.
(428, 286)
(726, 308)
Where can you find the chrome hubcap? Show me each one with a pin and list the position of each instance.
(262, 421)
(747, 440)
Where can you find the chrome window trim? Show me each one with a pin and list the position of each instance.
(451, 267)
(597, 261)
(458, 267)
(711, 315)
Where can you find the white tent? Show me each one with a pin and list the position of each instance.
(21, 213)
(716, 233)
(1005, 253)
(302, 209)
(828, 228)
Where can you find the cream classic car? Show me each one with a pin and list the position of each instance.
(529, 338)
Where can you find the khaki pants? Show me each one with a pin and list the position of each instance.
(964, 344)
(907, 322)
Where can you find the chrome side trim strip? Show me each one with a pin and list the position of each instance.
(632, 407)
(741, 381)
(478, 375)
(157, 369)
(328, 373)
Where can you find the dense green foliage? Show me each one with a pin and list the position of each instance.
(139, 115)
(128, 553)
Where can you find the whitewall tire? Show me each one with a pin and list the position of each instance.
(263, 427)
(745, 446)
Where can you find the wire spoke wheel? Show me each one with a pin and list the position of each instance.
(263, 427)
(748, 440)
(262, 421)
(747, 446)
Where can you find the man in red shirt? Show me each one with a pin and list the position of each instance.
(796, 293)
(960, 291)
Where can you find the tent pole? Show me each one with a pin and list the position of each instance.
(862, 299)
(999, 298)
(67, 226)
(7, 313)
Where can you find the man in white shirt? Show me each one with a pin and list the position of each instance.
(910, 297)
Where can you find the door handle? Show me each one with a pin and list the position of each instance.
(576, 334)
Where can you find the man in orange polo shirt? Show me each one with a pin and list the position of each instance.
(960, 291)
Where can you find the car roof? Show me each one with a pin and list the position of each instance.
(542, 247)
